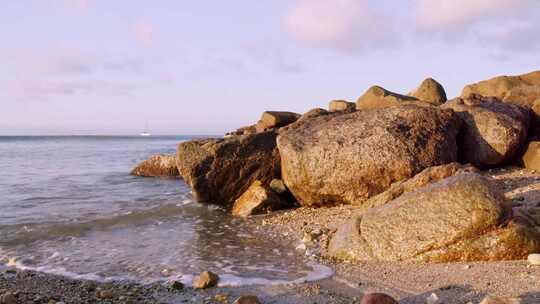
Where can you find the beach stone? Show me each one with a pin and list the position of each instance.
(220, 170)
(534, 259)
(249, 299)
(497, 300)
(494, 132)
(430, 91)
(275, 119)
(105, 294)
(345, 159)
(427, 176)
(8, 298)
(157, 166)
(177, 285)
(206, 279)
(377, 97)
(523, 90)
(531, 158)
(377, 298)
(341, 105)
(258, 199)
(278, 186)
(461, 218)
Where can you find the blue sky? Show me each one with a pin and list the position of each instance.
(206, 67)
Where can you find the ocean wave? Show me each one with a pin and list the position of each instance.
(29, 232)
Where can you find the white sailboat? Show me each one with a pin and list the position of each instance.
(145, 133)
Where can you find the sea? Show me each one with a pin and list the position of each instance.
(68, 206)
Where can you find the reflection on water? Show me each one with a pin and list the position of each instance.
(79, 213)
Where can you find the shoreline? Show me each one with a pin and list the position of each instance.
(308, 229)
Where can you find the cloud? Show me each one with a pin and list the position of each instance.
(144, 33)
(460, 15)
(81, 5)
(341, 24)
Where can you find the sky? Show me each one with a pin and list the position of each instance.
(207, 67)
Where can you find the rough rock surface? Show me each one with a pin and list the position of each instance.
(275, 119)
(377, 97)
(157, 166)
(345, 159)
(220, 170)
(429, 175)
(522, 90)
(430, 91)
(206, 279)
(258, 199)
(494, 131)
(531, 158)
(341, 105)
(377, 298)
(461, 218)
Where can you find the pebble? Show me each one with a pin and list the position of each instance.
(205, 280)
(432, 299)
(105, 294)
(534, 259)
(249, 299)
(176, 285)
(467, 267)
(495, 300)
(8, 298)
(377, 298)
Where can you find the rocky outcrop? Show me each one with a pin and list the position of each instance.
(345, 159)
(220, 170)
(531, 158)
(274, 119)
(461, 218)
(258, 199)
(522, 90)
(430, 91)
(341, 106)
(427, 176)
(377, 97)
(157, 166)
(494, 131)
(206, 279)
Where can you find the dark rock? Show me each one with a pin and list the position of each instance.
(461, 218)
(377, 298)
(494, 132)
(220, 170)
(345, 159)
(157, 166)
(177, 285)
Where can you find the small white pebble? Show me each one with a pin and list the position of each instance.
(432, 299)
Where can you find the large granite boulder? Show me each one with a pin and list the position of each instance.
(377, 97)
(427, 176)
(461, 218)
(494, 131)
(258, 199)
(522, 90)
(220, 170)
(430, 91)
(345, 159)
(157, 166)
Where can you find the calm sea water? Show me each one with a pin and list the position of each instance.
(69, 206)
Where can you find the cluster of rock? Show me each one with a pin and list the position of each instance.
(399, 158)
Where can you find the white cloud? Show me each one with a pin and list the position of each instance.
(144, 33)
(459, 15)
(341, 24)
